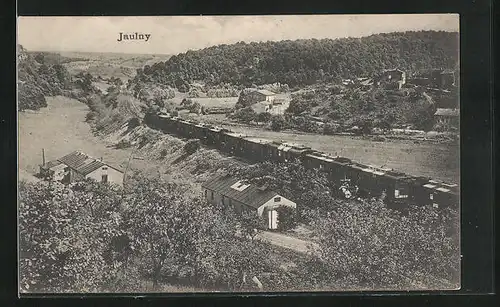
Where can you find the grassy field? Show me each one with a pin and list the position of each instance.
(108, 65)
(60, 129)
(227, 102)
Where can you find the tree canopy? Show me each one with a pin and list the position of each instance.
(305, 61)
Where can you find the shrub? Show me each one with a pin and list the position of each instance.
(278, 123)
(192, 146)
(245, 115)
(264, 117)
(287, 218)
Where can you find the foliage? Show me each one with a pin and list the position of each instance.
(64, 234)
(39, 79)
(302, 62)
(195, 108)
(96, 237)
(287, 218)
(245, 98)
(264, 117)
(192, 146)
(278, 123)
(251, 223)
(245, 115)
(370, 246)
(376, 108)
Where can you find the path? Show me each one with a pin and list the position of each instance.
(287, 242)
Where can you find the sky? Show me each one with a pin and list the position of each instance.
(177, 34)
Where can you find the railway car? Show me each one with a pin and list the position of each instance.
(213, 136)
(233, 143)
(400, 189)
(258, 149)
(274, 152)
(438, 194)
(164, 123)
(296, 152)
(338, 168)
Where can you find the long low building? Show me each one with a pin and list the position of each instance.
(241, 196)
(79, 166)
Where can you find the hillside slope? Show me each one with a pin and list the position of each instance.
(39, 79)
(303, 62)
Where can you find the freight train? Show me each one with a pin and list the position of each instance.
(400, 189)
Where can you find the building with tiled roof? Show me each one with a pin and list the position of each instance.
(78, 166)
(241, 195)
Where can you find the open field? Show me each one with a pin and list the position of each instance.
(226, 102)
(60, 129)
(432, 160)
(106, 65)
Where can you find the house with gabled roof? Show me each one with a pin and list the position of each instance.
(447, 116)
(78, 166)
(241, 195)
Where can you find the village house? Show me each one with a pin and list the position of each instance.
(447, 78)
(78, 166)
(447, 116)
(261, 95)
(392, 78)
(241, 196)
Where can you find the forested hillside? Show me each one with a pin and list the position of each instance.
(37, 79)
(303, 62)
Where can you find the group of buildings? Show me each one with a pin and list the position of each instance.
(78, 166)
(231, 192)
(444, 79)
(437, 79)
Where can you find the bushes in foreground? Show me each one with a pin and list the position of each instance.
(95, 237)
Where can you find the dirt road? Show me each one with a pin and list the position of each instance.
(287, 242)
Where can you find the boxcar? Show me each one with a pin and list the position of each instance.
(258, 149)
(213, 136)
(233, 143)
(439, 194)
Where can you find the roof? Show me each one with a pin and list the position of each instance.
(447, 112)
(251, 196)
(266, 92)
(448, 71)
(82, 163)
(392, 69)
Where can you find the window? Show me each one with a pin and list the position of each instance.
(104, 168)
(277, 199)
(431, 196)
(104, 178)
(206, 192)
(212, 195)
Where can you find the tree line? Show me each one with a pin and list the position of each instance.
(306, 61)
(38, 78)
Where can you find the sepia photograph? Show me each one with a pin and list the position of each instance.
(238, 154)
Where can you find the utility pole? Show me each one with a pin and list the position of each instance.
(43, 156)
